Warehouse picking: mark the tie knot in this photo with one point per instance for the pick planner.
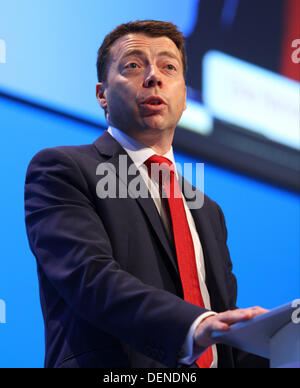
(158, 165)
(158, 159)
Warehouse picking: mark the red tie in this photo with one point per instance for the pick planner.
(162, 169)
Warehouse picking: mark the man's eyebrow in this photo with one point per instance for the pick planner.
(133, 52)
(138, 52)
(168, 54)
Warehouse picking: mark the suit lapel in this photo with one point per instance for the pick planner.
(214, 263)
(108, 146)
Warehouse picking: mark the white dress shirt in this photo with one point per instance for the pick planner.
(139, 153)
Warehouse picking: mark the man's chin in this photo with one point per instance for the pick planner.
(155, 122)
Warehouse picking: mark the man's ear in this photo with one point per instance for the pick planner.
(100, 93)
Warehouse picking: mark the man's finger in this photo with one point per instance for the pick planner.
(235, 316)
(259, 310)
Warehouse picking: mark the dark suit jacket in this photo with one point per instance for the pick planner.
(109, 284)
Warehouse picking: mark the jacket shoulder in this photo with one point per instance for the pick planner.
(63, 152)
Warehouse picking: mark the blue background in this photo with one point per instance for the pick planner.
(51, 55)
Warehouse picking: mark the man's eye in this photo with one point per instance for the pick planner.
(171, 67)
(132, 66)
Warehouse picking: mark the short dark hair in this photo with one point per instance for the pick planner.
(153, 28)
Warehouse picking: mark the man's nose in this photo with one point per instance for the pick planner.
(152, 78)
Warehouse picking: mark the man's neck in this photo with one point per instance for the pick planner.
(160, 142)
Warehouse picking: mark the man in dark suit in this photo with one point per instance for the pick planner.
(117, 267)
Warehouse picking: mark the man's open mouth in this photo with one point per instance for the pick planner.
(154, 101)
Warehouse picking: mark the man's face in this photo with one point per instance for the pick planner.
(145, 88)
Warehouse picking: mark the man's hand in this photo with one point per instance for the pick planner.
(222, 322)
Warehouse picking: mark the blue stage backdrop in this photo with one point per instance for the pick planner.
(48, 53)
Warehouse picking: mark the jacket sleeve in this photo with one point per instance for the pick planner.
(72, 247)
